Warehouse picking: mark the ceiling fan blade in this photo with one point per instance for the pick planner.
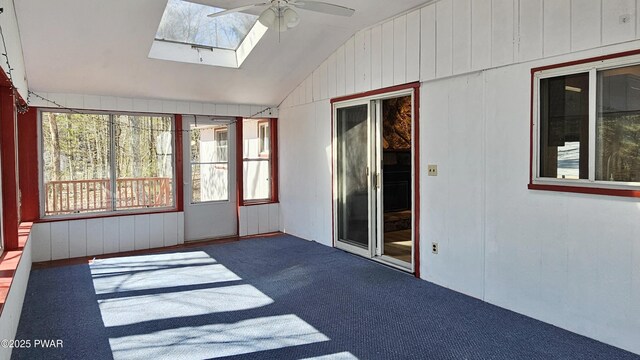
(234, 10)
(323, 7)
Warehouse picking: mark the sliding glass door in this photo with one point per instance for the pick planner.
(373, 156)
(353, 185)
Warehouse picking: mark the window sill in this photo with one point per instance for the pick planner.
(104, 215)
(259, 202)
(9, 262)
(586, 190)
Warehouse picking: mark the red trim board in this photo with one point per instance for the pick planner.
(8, 139)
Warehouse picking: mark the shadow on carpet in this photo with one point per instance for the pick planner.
(273, 298)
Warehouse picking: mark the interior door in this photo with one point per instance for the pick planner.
(210, 204)
(352, 162)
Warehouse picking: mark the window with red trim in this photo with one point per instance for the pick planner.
(105, 163)
(586, 125)
(257, 163)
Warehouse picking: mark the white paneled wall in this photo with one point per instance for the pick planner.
(112, 103)
(537, 253)
(259, 219)
(77, 238)
(454, 37)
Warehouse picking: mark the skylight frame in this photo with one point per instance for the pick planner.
(204, 54)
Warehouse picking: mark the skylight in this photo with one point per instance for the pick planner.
(186, 22)
(186, 34)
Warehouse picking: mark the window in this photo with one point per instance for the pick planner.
(256, 160)
(209, 162)
(187, 22)
(186, 34)
(588, 125)
(96, 162)
(263, 135)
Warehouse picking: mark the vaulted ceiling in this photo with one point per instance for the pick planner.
(101, 47)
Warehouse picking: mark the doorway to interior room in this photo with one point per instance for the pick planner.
(374, 146)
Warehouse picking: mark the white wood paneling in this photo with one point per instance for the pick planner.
(316, 85)
(59, 240)
(618, 21)
(127, 233)
(308, 90)
(331, 76)
(502, 32)
(141, 235)
(41, 242)
(274, 217)
(400, 50)
(557, 27)
(324, 81)
(180, 227)
(387, 54)
(428, 43)
(156, 230)
(112, 103)
(585, 24)
(253, 220)
(340, 72)
(530, 30)
(461, 36)
(95, 234)
(349, 61)
(243, 221)
(444, 40)
(413, 46)
(481, 34)
(376, 57)
(111, 231)
(363, 61)
(170, 229)
(263, 219)
(77, 238)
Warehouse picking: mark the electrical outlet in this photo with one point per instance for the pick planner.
(434, 248)
(432, 170)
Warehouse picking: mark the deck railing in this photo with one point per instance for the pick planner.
(78, 196)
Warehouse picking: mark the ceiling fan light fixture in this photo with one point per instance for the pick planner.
(268, 17)
(291, 18)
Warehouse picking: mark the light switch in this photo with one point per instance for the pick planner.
(432, 170)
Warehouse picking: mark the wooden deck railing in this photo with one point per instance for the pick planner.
(77, 196)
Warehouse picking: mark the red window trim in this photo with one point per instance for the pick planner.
(594, 190)
(416, 191)
(29, 185)
(10, 262)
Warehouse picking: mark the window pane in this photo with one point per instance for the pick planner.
(187, 22)
(618, 125)
(210, 182)
(144, 161)
(256, 160)
(209, 163)
(564, 127)
(76, 155)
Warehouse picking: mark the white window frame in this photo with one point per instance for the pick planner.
(592, 68)
(112, 170)
(227, 124)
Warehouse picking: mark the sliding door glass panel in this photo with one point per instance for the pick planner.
(396, 168)
(352, 131)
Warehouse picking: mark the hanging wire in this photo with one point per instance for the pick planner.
(24, 107)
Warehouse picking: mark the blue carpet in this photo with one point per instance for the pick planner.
(273, 298)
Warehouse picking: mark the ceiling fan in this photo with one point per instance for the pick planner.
(280, 13)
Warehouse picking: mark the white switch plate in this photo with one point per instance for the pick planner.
(432, 170)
